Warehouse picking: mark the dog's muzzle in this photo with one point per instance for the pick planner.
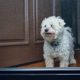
(48, 34)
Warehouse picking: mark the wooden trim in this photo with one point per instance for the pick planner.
(29, 64)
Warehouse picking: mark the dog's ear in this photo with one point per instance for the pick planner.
(61, 21)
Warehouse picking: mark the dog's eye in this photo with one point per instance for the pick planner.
(51, 25)
(45, 26)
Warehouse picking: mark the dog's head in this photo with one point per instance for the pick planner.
(51, 27)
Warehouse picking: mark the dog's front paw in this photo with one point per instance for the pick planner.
(64, 64)
(49, 62)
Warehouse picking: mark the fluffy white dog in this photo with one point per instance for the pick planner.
(58, 42)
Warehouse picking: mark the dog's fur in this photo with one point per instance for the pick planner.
(58, 42)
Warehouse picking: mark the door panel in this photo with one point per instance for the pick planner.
(13, 30)
(11, 19)
(20, 20)
(41, 10)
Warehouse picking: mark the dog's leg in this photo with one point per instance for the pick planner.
(64, 63)
(72, 59)
(49, 62)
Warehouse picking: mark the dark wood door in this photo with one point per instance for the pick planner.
(20, 40)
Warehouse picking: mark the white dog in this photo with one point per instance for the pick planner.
(58, 42)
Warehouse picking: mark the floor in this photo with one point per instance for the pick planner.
(42, 64)
(35, 64)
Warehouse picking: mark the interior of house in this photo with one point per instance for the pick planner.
(21, 44)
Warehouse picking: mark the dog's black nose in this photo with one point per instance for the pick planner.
(46, 30)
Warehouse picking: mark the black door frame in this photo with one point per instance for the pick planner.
(69, 14)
